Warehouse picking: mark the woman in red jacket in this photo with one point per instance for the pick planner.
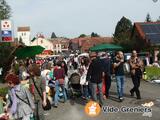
(59, 75)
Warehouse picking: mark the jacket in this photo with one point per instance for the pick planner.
(23, 108)
(95, 71)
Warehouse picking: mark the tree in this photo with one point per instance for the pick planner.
(123, 32)
(158, 20)
(53, 35)
(82, 36)
(21, 41)
(5, 48)
(5, 10)
(148, 18)
(94, 34)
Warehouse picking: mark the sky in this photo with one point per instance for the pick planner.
(70, 18)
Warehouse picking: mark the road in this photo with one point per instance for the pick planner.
(74, 110)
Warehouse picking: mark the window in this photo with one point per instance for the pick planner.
(63, 46)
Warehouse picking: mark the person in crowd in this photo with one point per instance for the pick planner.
(23, 74)
(136, 66)
(107, 68)
(83, 71)
(37, 88)
(20, 103)
(119, 73)
(94, 76)
(64, 66)
(59, 75)
(45, 74)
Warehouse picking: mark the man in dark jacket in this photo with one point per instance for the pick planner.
(94, 76)
(106, 61)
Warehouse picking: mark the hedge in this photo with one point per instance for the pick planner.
(152, 73)
(3, 91)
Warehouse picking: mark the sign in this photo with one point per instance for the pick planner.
(6, 32)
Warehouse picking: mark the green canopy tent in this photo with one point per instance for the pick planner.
(28, 51)
(105, 47)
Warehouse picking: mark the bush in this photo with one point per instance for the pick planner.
(152, 73)
(3, 91)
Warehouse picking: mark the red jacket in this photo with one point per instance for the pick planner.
(59, 73)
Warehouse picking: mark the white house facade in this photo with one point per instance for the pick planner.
(24, 35)
(48, 45)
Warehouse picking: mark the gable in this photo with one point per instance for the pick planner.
(149, 31)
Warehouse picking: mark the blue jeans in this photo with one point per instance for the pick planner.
(120, 85)
(85, 91)
(94, 87)
(56, 97)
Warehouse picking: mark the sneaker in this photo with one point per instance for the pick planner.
(121, 99)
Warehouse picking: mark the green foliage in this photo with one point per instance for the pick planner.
(5, 56)
(34, 38)
(94, 34)
(148, 18)
(158, 20)
(152, 73)
(3, 91)
(53, 35)
(21, 41)
(5, 10)
(5, 48)
(123, 32)
(82, 36)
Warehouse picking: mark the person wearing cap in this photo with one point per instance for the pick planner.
(94, 76)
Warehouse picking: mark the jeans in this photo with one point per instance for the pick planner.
(85, 91)
(120, 85)
(56, 97)
(94, 87)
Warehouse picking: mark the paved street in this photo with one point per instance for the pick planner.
(74, 110)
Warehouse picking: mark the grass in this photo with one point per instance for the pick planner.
(152, 73)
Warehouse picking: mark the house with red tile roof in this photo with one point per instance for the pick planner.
(85, 43)
(146, 34)
(60, 44)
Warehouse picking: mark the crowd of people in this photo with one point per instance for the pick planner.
(31, 83)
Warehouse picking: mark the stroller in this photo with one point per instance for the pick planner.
(74, 87)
